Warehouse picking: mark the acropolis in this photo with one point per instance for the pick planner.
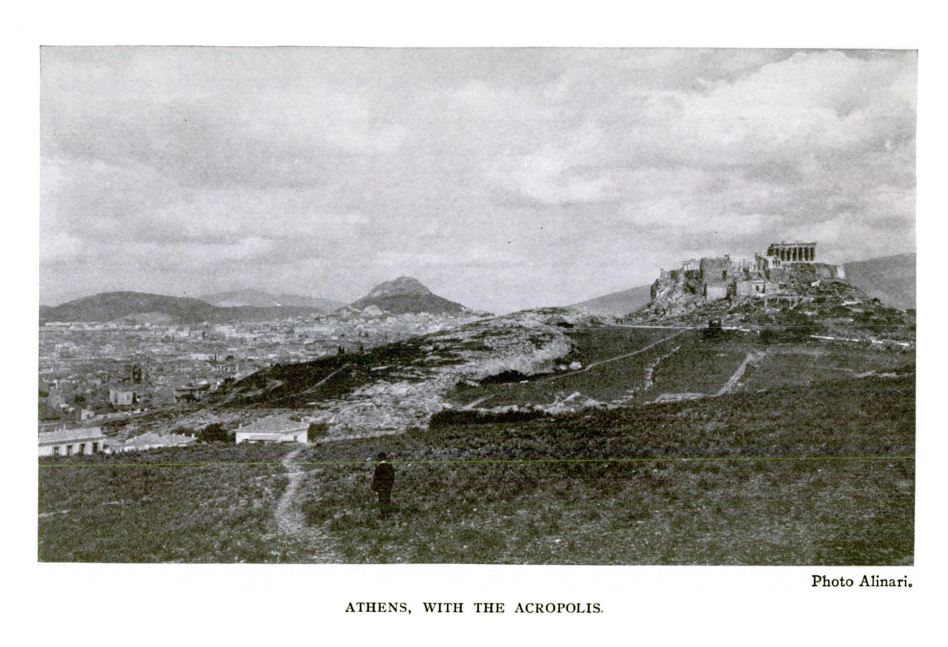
(723, 277)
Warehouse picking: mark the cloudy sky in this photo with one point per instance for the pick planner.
(500, 178)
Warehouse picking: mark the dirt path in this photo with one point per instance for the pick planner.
(732, 382)
(289, 517)
(315, 386)
(650, 369)
(468, 407)
(614, 359)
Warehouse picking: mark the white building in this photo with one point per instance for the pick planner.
(120, 397)
(275, 429)
(152, 440)
(66, 442)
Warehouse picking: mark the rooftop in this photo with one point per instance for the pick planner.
(70, 435)
(273, 424)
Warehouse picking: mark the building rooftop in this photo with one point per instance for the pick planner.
(70, 435)
(273, 424)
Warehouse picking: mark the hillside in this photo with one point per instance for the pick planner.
(617, 303)
(784, 436)
(157, 308)
(822, 474)
(406, 295)
(259, 299)
(890, 279)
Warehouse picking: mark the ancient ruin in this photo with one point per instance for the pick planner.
(792, 252)
(779, 272)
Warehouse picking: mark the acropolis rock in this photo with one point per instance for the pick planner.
(785, 270)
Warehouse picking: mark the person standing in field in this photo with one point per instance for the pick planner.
(382, 483)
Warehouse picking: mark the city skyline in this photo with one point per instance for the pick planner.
(502, 179)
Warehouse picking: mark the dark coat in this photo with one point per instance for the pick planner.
(384, 478)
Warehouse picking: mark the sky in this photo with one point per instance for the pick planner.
(502, 179)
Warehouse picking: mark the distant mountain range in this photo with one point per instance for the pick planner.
(617, 303)
(406, 295)
(258, 299)
(159, 309)
(401, 296)
(890, 279)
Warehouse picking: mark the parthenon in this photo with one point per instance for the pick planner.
(793, 252)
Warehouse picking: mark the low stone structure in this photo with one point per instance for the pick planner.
(275, 429)
(716, 290)
(756, 287)
(152, 440)
(69, 442)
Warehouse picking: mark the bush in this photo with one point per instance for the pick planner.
(450, 417)
(505, 377)
(317, 430)
(214, 433)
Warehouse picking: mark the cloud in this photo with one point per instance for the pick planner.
(540, 173)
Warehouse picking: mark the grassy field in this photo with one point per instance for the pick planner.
(212, 503)
(608, 381)
(796, 364)
(688, 362)
(817, 474)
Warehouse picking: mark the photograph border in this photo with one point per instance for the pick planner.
(688, 601)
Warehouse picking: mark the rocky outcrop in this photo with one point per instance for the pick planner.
(405, 295)
(717, 279)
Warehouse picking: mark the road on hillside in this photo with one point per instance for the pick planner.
(615, 359)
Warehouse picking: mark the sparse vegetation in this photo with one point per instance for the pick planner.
(316, 430)
(211, 503)
(215, 433)
(818, 474)
(749, 479)
(784, 449)
(451, 417)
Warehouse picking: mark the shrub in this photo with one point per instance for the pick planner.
(317, 430)
(450, 417)
(214, 433)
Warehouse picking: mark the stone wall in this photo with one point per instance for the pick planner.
(715, 269)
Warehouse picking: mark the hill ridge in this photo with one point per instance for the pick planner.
(263, 299)
(405, 295)
(158, 308)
